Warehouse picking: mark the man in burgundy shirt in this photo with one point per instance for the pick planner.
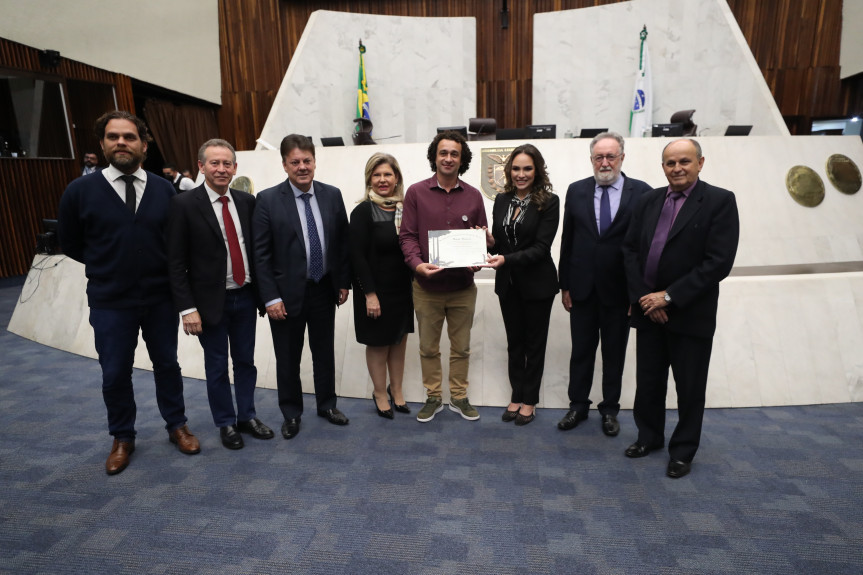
(442, 202)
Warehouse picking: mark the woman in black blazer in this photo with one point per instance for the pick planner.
(524, 222)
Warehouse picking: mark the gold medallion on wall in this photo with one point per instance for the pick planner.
(493, 178)
(805, 186)
(244, 184)
(843, 173)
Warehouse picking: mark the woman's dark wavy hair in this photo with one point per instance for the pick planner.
(455, 137)
(542, 189)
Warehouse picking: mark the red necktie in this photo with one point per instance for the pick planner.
(233, 244)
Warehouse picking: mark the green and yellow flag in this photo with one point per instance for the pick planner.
(362, 89)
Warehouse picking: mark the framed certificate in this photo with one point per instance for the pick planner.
(457, 248)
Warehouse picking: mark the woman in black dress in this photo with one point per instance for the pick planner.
(524, 222)
(383, 305)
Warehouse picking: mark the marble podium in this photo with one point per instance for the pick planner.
(786, 335)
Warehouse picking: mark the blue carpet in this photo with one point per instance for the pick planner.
(774, 490)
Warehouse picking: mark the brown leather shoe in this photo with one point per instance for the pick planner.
(185, 441)
(118, 460)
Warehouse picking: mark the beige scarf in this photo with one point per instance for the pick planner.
(389, 203)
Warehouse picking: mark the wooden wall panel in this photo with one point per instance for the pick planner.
(795, 42)
(30, 188)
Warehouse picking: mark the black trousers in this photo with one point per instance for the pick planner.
(319, 315)
(689, 359)
(589, 323)
(526, 323)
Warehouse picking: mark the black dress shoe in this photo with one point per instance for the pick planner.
(334, 416)
(610, 426)
(231, 438)
(640, 449)
(291, 427)
(256, 427)
(677, 469)
(509, 415)
(570, 420)
(403, 408)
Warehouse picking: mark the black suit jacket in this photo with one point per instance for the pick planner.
(588, 261)
(280, 246)
(698, 254)
(197, 254)
(529, 266)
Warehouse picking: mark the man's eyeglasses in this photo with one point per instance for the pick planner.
(610, 157)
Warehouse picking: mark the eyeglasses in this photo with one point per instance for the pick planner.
(610, 157)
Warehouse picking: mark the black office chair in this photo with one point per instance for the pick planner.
(482, 129)
(363, 136)
(685, 117)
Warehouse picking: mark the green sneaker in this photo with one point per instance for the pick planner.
(464, 408)
(433, 406)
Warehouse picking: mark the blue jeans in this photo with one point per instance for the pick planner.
(237, 328)
(116, 332)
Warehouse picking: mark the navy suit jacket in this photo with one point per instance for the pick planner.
(280, 246)
(529, 266)
(197, 254)
(698, 254)
(588, 261)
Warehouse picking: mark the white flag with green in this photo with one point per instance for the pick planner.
(641, 114)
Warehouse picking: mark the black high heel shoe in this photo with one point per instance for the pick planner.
(385, 413)
(403, 408)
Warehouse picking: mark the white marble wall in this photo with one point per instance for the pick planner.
(585, 62)
(171, 44)
(781, 340)
(421, 74)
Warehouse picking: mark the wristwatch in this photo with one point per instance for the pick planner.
(667, 298)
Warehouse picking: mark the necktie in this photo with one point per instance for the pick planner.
(131, 198)
(660, 236)
(237, 267)
(604, 210)
(316, 253)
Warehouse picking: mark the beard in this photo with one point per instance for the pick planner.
(605, 177)
(128, 161)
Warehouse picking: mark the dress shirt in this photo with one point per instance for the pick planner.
(683, 197)
(87, 171)
(319, 222)
(113, 175)
(429, 207)
(615, 189)
(185, 183)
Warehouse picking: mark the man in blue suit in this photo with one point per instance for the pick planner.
(593, 281)
(300, 236)
(113, 222)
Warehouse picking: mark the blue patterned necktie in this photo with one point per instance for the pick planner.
(316, 253)
(604, 211)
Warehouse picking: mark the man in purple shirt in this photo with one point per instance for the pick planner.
(680, 244)
(442, 202)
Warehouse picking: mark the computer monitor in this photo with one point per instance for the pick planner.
(511, 134)
(334, 141)
(541, 132)
(738, 130)
(667, 130)
(460, 129)
(591, 132)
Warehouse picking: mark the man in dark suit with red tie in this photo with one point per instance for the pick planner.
(212, 276)
(593, 281)
(301, 250)
(681, 243)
